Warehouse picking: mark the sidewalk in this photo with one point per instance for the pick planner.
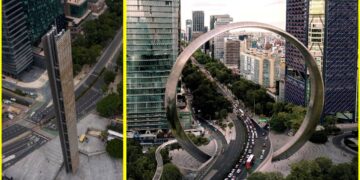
(37, 83)
(229, 134)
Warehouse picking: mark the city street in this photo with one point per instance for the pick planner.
(228, 161)
(88, 92)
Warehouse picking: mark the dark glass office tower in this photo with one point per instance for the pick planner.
(152, 48)
(17, 55)
(41, 15)
(198, 19)
(329, 30)
(57, 48)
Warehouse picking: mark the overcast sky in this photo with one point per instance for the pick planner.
(266, 11)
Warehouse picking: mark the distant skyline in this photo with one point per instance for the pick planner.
(270, 11)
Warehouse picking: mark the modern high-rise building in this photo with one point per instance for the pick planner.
(260, 67)
(16, 47)
(57, 49)
(213, 19)
(41, 15)
(232, 53)
(188, 30)
(329, 30)
(24, 23)
(76, 8)
(198, 19)
(153, 29)
(219, 40)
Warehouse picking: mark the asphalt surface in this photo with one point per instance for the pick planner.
(338, 142)
(230, 158)
(12, 132)
(21, 148)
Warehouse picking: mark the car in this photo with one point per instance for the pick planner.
(264, 144)
(261, 157)
(263, 151)
(230, 175)
(252, 142)
(263, 133)
(226, 179)
(247, 156)
(238, 171)
(237, 165)
(251, 147)
(232, 171)
(266, 138)
(250, 151)
(233, 178)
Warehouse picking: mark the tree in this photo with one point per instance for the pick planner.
(109, 106)
(115, 148)
(165, 156)
(325, 164)
(319, 137)
(109, 77)
(343, 171)
(266, 176)
(171, 172)
(231, 125)
(305, 170)
(277, 122)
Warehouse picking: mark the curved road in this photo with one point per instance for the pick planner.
(338, 141)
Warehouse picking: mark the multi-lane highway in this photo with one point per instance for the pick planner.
(234, 157)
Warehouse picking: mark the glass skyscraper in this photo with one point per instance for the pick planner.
(153, 31)
(41, 15)
(16, 49)
(329, 29)
(198, 19)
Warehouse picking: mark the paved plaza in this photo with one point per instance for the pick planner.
(47, 162)
(184, 160)
(309, 151)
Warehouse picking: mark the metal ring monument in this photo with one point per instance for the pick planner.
(314, 109)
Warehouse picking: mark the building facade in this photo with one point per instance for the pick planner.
(16, 47)
(77, 8)
(260, 68)
(198, 19)
(57, 49)
(41, 15)
(188, 30)
(232, 53)
(153, 30)
(219, 40)
(329, 29)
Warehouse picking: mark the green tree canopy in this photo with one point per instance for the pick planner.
(171, 172)
(115, 148)
(266, 176)
(109, 106)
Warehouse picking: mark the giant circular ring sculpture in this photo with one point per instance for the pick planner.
(314, 109)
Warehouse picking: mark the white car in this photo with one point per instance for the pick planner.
(232, 171)
(238, 171)
(261, 157)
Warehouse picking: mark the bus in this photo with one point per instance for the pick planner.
(250, 161)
